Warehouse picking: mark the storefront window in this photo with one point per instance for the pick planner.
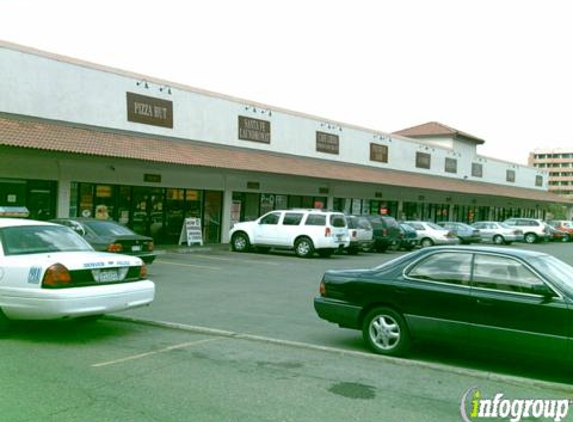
(123, 204)
(174, 216)
(104, 202)
(193, 200)
(86, 200)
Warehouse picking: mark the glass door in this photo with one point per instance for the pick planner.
(147, 215)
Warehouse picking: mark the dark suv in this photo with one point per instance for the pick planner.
(386, 231)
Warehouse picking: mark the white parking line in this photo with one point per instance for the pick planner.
(156, 352)
(236, 260)
(180, 264)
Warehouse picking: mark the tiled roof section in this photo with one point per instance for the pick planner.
(436, 129)
(50, 136)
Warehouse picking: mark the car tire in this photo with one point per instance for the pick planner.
(498, 240)
(240, 242)
(530, 238)
(327, 253)
(304, 247)
(426, 243)
(385, 331)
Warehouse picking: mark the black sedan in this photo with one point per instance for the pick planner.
(503, 299)
(109, 236)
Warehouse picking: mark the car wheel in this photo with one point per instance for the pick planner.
(426, 243)
(530, 238)
(240, 242)
(386, 332)
(326, 253)
(498, 239)
(304, 247)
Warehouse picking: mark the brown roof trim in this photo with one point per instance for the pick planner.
(41, 135)
(430, 129)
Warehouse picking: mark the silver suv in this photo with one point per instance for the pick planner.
(305, 231)
(533, 229)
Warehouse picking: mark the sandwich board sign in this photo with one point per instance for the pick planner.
(191, 232)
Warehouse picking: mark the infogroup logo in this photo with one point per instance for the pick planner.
(475, 406)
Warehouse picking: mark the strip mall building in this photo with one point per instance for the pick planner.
(79, 139)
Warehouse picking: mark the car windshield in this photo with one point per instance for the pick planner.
(435, 226)
(23, 240)
(505, 226)
(108, 228)
(555, 270)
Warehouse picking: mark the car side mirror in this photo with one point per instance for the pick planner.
(543, 290)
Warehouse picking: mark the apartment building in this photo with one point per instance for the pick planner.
(558, 163)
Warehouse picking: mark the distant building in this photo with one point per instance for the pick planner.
(559, 164)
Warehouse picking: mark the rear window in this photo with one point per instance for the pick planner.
(390, 222)
(337, 220)
(316, 220)
(25, 240)
(108, 228)
(352, 222)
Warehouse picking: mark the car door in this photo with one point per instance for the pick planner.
(267, 229)
(508, 313)
(487, 230)
(434, 296)
(289, 228)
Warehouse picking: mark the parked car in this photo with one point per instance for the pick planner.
(109, 236)
(386, 231)
(466, 233)
(409, 237)
(533, 229)
(430, 234)
(498, 233)
(518, 301)
(564, 225)
(49, 272)
(558, 235)
(360, 234)
(305, 230)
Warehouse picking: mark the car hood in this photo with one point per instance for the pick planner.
(78, 260)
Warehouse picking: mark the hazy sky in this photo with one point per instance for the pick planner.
(500, 70)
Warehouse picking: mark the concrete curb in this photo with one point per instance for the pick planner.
(191, 249)
(488, 376)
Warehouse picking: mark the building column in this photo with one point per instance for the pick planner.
(226, 220)
(63, 204)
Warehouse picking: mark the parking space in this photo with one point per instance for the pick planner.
(117, 371)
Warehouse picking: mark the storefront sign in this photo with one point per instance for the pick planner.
(254, 130)
(327, 142)
(191, 232)
(149, 110)
(152, 178)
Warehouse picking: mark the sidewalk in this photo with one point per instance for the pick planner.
(184, 249)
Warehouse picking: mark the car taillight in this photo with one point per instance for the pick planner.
(322, 289)
(354, 233)
(327, 232)
(143, 271)
(150, 246)
(114, 247)
(56, 276)
(384, 232)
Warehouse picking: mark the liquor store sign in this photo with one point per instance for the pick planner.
(149, 110)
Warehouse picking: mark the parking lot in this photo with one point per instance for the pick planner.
(235, 337)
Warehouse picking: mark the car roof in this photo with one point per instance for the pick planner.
(521, 253)
(19, 222)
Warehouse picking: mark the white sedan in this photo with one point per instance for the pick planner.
(430, 234)
(48, 271)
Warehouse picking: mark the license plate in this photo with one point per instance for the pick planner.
(136, 248)
(108, 276)
(339, 236)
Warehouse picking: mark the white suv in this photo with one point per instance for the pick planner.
(305, 231)
(533, 229)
